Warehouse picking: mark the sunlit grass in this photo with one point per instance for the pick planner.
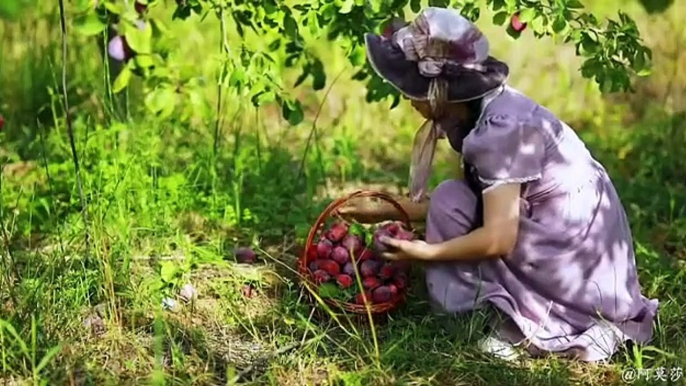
(165, 212)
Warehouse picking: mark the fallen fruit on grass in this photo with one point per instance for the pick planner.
(119, 49)
(517, 24)
(321, 276)
(370, 283)
(369, 268)
(245, 255)
(188, 293)
(324, 248)
(329, 266)
(95, 324)
(170, 304)
(382, 294)
(248, 291)
(340, 255)
(337, 232)
(386, 272)
(344, 281)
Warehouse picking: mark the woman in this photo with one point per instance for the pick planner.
(536, 230)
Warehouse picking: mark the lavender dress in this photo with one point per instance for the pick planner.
(570, 285)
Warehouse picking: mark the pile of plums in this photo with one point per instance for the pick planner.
(341, 257)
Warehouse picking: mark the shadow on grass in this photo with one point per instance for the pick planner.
(447, 354)
(246, 193)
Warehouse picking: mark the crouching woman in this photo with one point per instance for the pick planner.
(536, 230)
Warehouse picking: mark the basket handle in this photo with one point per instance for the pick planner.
(339, 202)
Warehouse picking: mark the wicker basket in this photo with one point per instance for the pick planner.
(309, 254)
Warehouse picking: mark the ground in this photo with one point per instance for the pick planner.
(165, 210)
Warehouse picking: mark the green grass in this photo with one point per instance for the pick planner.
(165, 211)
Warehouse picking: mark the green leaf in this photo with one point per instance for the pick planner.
(313, 24)
(591, 67)
(89, 25)
(318, 75)
(606, 85)
(500, 18)
(368, 238)
(139, 39)
(307, 69)
(330, 290)
(588, 46)
(497, 4)
(357, 230)
(290, 26)
(13, 331)
(122, 79)
(161, 100)
(656, 6)
(347, 6)
(9, 9)
(113, 8)
(538, 24)
(263, 97)
(160, 26)
(559, 25)
(237, 78)
(144, 61)
(357, 55)
(574, 4)
(642, 63)
(47, 358)
(167, 271)
(415, 5)
(526, 15)
(292, 112)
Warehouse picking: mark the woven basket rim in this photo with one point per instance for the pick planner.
(303, 260)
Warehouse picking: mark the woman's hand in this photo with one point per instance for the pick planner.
(408, 249)
(366, 210)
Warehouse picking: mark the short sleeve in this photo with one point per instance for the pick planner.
(505, 149)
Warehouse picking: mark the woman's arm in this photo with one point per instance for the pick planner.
(497, 237)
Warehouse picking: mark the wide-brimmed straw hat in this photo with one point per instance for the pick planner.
(439, 43)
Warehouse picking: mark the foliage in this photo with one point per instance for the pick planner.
(656, 6)
(168, 206)
(9, 9)
(613, 50)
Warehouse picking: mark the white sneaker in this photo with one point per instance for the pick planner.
(499, 348)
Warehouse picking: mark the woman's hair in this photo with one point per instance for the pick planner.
(474, 112)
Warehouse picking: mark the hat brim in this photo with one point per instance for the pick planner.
(464, 84)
